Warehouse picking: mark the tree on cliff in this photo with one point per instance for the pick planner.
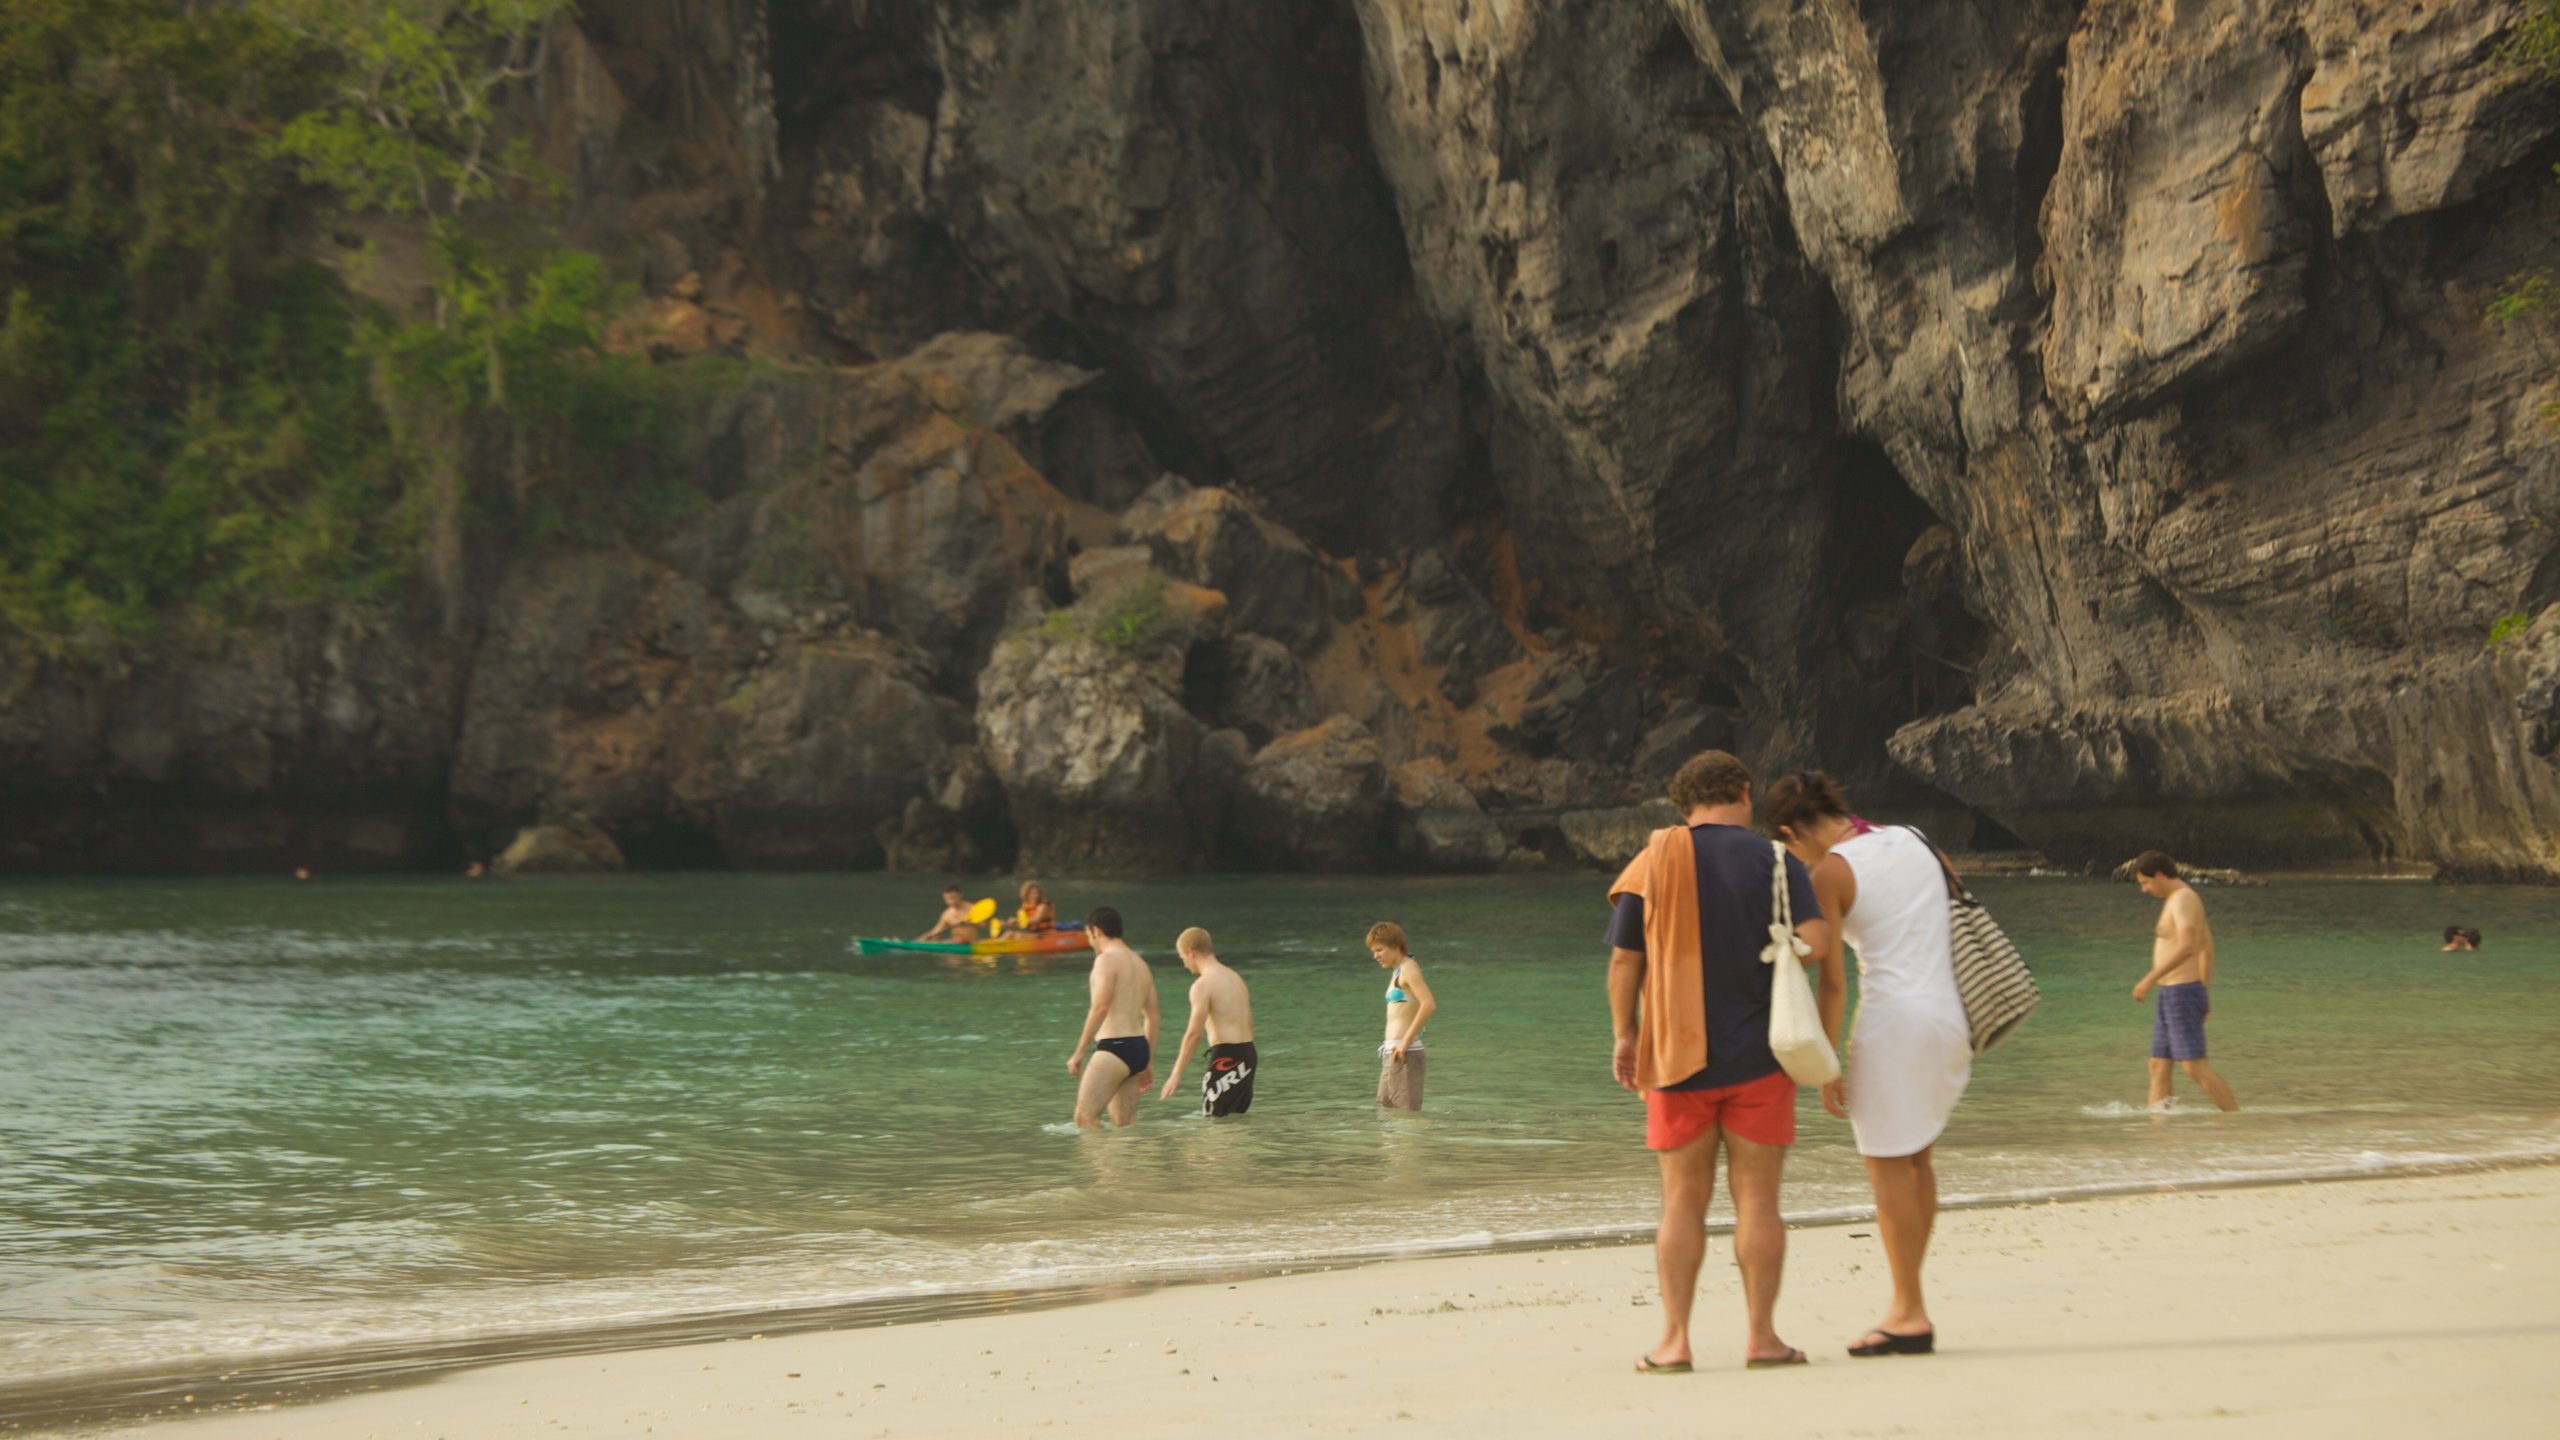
(2532, 47)
(195, 411)
(178, 415)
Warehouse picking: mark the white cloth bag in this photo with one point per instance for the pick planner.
(1795, 1022)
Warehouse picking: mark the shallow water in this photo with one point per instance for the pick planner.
(245, 1118)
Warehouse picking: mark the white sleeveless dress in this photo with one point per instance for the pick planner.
(1910, 1052)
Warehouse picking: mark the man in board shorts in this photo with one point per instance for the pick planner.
(1223, 1011)
(1690, 916)
(2181, 967)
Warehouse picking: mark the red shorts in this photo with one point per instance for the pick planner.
(1762, 1111)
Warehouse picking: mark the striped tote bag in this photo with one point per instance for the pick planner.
(1998, 990)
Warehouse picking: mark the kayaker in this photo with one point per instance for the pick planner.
(955, 923)
(1037, 916)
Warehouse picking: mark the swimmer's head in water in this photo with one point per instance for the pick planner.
(1388, 935)
(1104, 921)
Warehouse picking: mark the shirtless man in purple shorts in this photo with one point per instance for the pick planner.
(2181, 966)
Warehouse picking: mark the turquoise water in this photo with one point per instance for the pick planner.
(246, 1118)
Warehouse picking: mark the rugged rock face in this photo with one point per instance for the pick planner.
(1104, 777)
(2230, 455)
(312, 743)
(2071, 422)
(1437, 824)
(1186, 187)
(1315, 800)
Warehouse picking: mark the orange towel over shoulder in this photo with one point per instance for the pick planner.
(1671, 1030)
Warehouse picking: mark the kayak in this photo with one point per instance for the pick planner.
(1051, 942)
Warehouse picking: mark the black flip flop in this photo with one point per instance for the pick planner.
(1924, 1343)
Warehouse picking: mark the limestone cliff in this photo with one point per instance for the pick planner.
(1366, 432)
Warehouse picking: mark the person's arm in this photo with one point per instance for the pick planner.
(1419, 992)
(1153, 1022)
(1626, 984)
(940, 928)
(1190, 1039)
(1835, 888)
(1093, 1016)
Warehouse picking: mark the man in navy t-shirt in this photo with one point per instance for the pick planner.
(1739, 1100)
(1733, 926)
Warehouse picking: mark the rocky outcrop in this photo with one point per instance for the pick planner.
(1607, 839)
(817, 751)
(1275, 583)
(314, 742)
(1435, 823)
(571, 846)
(1080, 715)
(959, 825)
(1251, 684)
(1315, 800)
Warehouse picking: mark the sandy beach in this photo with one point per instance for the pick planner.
(2392, 1307)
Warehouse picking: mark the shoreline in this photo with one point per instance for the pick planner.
(90, 1402)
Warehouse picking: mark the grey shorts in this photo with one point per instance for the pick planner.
(1400, 1086)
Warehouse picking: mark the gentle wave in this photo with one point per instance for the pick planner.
(170, 1320)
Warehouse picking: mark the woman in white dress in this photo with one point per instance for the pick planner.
(1910, 1051)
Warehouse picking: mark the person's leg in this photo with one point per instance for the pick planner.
(1906, 1204)
(1680, 1241)
(2203, 1073)
(1103, 1076)
(1759, 1237)
(2160, 1073)
(1124, 1101)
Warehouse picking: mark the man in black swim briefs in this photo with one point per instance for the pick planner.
(1119, 1028)
(1223, 1011)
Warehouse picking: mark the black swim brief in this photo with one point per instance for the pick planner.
(1129, 1050)
(1226, 1087)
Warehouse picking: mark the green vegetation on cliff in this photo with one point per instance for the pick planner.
(195, 411)
(182, 414)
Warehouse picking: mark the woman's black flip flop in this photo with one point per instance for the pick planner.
(1924, 1343)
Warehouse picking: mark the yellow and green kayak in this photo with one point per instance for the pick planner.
(1049, 942)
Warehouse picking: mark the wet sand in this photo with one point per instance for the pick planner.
(2382, 1307)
